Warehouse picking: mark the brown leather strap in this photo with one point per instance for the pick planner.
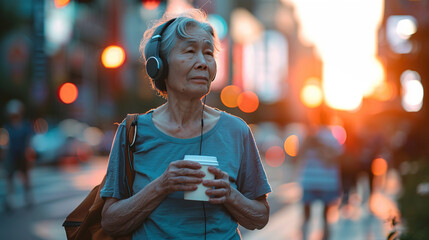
(131, 130)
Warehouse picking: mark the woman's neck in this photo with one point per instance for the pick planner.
(182, 112)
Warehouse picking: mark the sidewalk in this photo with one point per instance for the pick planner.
(50, 184)
(57, 191)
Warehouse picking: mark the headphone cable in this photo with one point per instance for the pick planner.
(202, 126)
(201, 144)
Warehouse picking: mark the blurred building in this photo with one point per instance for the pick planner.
(50, 43)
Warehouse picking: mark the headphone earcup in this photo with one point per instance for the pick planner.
(154, 67)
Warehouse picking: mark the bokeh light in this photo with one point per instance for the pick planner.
(385, 91)
(113, 56)
(379, 166)
(248, 102)
(383, 207)
(291, 145)
(229, 96)
(406, 27)
(311, 95)
(412, 91)
(68, 93)
(275, 156)
(61, 3)
(219, 25)
(339, 133)
(412, 99)
(151, 4)
(93, 136)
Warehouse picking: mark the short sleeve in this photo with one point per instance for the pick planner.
(252, 181)
(115, 185)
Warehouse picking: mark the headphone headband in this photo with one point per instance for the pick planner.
(156, 66)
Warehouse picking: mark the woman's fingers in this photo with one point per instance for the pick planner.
(186, 164)
(219, 188)
(182, 175)
(188, 172)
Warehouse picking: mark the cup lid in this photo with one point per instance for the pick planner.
(203, 160)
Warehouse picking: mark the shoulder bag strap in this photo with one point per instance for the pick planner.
(131, 130)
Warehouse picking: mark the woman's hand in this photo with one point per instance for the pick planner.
(181, 175)
(222, 188)
(251, 214)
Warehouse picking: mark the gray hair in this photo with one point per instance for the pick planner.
(179, 29)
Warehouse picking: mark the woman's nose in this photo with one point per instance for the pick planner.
(201, 62)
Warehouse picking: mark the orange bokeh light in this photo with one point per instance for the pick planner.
(113, 56)
(275, 156)
(248, 102)
(229, 96)
(383, 207)
(386, 91)
(291, 145)
(311, 96)
(68, 93)
(61, 3)
(379, 166)
(151, 4)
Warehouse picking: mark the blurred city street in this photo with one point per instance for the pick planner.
(58, 190)
(332, 91)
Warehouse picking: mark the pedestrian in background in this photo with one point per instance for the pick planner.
(319, 173)
(16, 160)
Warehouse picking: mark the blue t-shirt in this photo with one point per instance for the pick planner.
(230, 140)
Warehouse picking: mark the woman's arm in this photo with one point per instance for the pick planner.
(251, 214)
(121, 217)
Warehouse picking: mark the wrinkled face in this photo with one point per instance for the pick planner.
(192, 66)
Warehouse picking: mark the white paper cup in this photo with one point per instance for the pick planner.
(200, 193)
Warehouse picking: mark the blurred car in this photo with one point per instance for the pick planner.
(62, 144)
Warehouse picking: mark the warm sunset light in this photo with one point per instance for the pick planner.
(351, 70)
(151, 4)
(61, 3)
(386, 91)
(229, 96)
(68, 93)
(113, 56)
(291, 145)
(245, 27)
(275, 156)
(379, 166)
(248, 102)
(311, 95)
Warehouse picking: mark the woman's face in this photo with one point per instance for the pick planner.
(192, 66)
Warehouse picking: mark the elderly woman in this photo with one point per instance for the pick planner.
(180, 59)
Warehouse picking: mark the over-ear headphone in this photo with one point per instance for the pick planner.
(156, 66)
